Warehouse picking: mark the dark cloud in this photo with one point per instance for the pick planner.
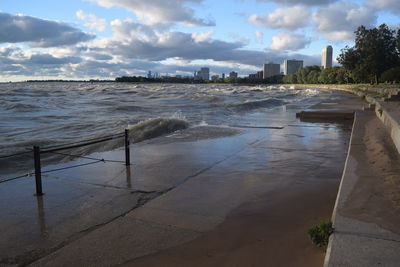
(392, 6)
(39, 32)
(47, 59)
(98, 56)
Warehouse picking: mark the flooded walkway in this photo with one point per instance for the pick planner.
(227, 191)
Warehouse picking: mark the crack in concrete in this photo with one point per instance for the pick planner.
(366, 235)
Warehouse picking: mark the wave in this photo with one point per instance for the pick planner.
(152, 128)
(128, 108)
(311, 92)
(200, 97)
(20, 107)
(141, 131)
(264, 103)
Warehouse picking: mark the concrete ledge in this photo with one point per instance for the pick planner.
(389, 116)
(361, 237)
(325, 115)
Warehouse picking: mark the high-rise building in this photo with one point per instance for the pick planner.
(327, 57)
(203, 73)
(215, 77)
(149, 75)
(292, 66)
(271, 69)
(233, 75)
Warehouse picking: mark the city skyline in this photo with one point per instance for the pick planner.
(290, 66)
(83, 39)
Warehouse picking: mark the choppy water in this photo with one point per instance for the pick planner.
(55, 113)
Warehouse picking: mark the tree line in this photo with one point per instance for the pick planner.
(375, 58)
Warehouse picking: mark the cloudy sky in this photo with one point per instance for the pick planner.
(81, 39)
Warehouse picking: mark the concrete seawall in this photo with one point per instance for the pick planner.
(388, 113)
(365, 217)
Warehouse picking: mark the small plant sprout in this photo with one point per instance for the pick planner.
(319, 234)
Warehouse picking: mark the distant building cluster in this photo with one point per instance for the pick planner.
(151, 75)
(291, 66)
(257, 76)
(270, 69)
(233, 75)
(203, 74)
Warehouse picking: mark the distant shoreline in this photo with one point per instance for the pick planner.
(381, 90)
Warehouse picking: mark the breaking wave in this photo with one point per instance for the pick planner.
(256, 104)
(141, 131)
(152, 128)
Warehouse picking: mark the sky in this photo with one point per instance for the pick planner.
(104, 39)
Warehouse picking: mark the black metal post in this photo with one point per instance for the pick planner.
(38, 172)
(127, 152)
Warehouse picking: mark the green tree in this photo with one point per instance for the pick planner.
(375, 51)
(341, 75)
(391, 75)
(290, 78)
(313, 76)
(398, 40)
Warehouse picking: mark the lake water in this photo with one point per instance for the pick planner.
(48, 114)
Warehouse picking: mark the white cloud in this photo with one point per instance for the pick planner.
(288, 18)
(259, 35)
(337, 22)
(92, 21)
(298, 2)
(202, 36)
(392, 6)
(39, 32)
(289, 41)
(160, 12)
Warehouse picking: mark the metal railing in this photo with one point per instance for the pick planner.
(37, 152)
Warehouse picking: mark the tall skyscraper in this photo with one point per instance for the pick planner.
(292, 66)
(327, 57)
(271, 69)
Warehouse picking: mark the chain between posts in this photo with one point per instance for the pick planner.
(37, 152)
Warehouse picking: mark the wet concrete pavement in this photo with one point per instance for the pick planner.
(178, 187)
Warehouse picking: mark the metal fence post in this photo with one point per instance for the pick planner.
(38, 172)
(127, 152)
